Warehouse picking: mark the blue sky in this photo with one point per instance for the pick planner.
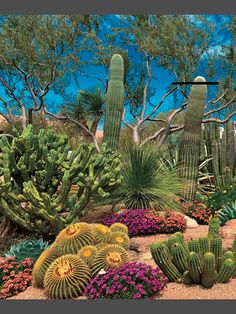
(163, 77)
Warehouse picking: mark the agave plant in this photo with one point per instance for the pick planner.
(228, 212)
(27, 249)
(148, 181)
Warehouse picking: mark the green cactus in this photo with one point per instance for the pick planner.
(172, 240)
(214, 227)
(66, 277)
(162, 258)
(191, 139)
(180, 237)
(179, 257)
(216, 249)
(38, 172)
(42, 264)
(119, 227)
(226, 255)
(120, 238)
(234, 246)
(187, 279)
(208, 276)
(194, 246)
(204, 245)
(110, 257)
(226, 271)
(27, 249)
(194, 267)
(114, 102)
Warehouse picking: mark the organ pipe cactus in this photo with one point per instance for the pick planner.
(191, 138)
(114, 102)
(38, 172)
(199, 264)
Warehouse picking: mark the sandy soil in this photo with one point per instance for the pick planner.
(173, 291)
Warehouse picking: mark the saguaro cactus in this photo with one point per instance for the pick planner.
(114, 102)
(191, 139)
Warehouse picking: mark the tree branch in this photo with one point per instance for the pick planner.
(220, 108)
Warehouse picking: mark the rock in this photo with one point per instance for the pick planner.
(190, 222)
(134, 246)
(228, 232)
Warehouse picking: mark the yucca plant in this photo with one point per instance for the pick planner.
(147, 181)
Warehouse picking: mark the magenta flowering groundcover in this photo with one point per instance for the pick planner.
(142, 222)
(130, 281)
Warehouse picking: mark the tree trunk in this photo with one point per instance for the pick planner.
(24, 118)
(7, 229)
(136, 135)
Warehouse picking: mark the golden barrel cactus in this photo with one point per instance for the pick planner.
(109, 257)
(101, 233)
(88, 254)
(42, 264)
(67, 277)
(121, 238)
(119, 227)
(71, 239)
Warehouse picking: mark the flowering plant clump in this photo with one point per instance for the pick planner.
(197, 210)
(143, 222)
(14, 276)
(130, 281)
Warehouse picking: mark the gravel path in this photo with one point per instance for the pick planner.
(173, 291)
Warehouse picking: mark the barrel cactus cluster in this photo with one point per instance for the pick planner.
(201, 261)
(79, 253)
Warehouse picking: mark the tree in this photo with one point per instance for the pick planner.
(39, 54)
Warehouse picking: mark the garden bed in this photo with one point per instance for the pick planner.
(141, 253)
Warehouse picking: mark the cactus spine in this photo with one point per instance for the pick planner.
(191, 139)
(179, 257)
(208, 276)
(114, 102)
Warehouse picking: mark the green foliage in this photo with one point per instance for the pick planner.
(191, 139)
(38, 171)
(114, 102)
(27, 249)
(147, 181)
(217, 200)
(228, 212)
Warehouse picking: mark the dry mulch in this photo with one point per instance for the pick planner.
(173, 291)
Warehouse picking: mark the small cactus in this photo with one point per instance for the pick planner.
(214, 227)
(208, 276)
(120, 238)
(88, 254)
(101, 233)
(162, 258)
(119, 227)
(187, 279)
(226, 271)
(216, 249)
(204, 245)
(109, 257)
(194, 267)
(179, 257)
(194, 246)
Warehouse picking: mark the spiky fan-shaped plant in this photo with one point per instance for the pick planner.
(119, 227)
(109, 257)
(101, 233)
(42, 264)
(67, 277)
(88, 254)
(71, 239)
(121, 239)
(228, 212)
(147, 181)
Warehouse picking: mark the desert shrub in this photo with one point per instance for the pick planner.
(143, 222)
(130, 281)
(14, 276)
(148, 182)
(197, 210)
(220, 198)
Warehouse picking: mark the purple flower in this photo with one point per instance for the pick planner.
(148, 284)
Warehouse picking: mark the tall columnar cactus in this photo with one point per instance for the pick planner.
(214, 227)
(114, 102)
(38, 172)
(191, 138)
(226, 271)
(216, 249)
(224, 158)
(194, 267)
